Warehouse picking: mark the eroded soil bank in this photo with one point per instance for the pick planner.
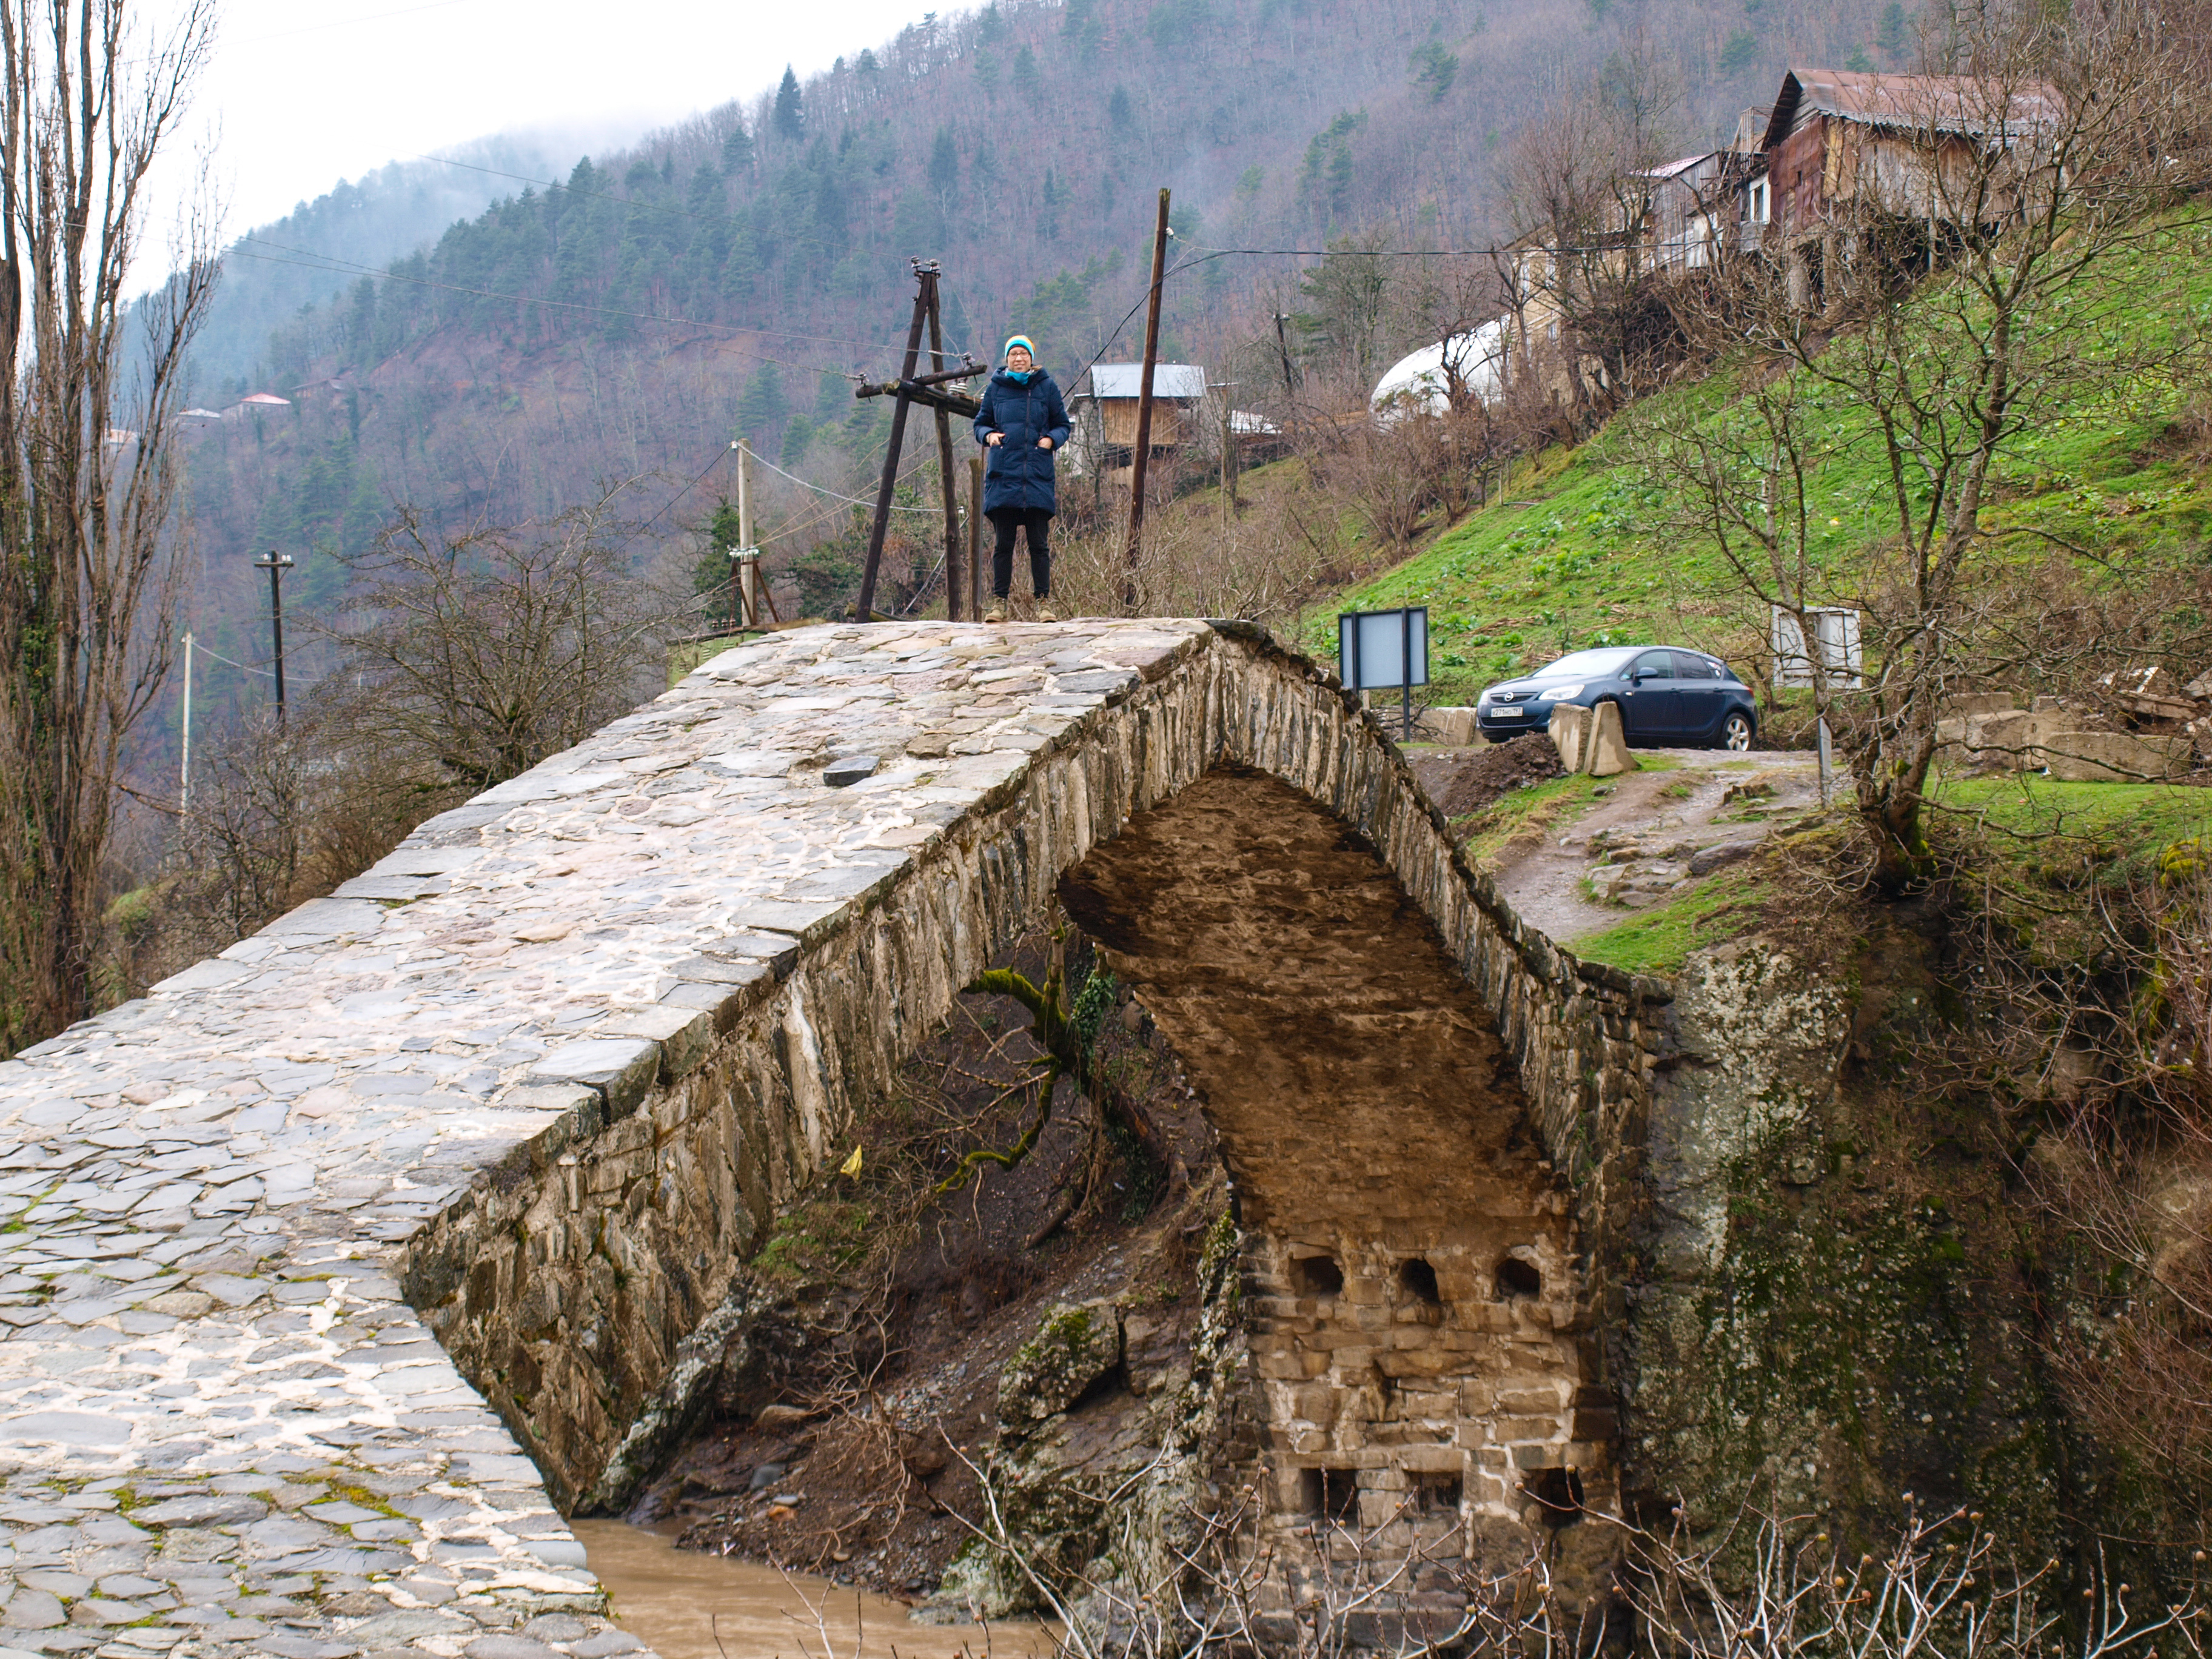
(858, 1392)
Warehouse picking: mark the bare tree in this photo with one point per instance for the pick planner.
(1174, 1581)
(1947, 296)
(477, 656)
(282, 811)
(1776, 1587)
(90, 388)
(1579, 181)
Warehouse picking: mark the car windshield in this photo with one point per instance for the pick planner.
(1586, 665)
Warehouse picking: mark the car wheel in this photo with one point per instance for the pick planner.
(1736, 732)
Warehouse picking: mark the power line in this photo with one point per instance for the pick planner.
(822, 490)
(686, 490)
(244, 668)
(1392, 253)
(790, 529)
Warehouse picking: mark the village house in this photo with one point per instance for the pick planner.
(1104, 407)
(1847, 172)
(1864, 171)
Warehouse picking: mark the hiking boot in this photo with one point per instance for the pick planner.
(997, 613)
(1046, 613)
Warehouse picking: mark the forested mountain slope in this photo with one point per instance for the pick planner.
(304, 259)
(726, 275)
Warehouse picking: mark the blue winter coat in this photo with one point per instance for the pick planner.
(1020, 474)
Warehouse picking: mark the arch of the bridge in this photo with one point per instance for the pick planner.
(1257, 859)
(1418, 1326)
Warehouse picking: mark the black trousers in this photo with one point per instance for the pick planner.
(1005, 522)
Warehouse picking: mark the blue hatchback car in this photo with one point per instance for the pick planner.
(1668, 697)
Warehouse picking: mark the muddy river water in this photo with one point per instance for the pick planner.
(678, 1601)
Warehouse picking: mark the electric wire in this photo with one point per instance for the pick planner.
(686, 490)
(199, 650)
(819, 489)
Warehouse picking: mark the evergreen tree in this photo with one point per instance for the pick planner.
(1026, 78)
(1889, 34)
(1435, 69)
(1117, 108)
(762, 408)
(790, 112)
(737, 151)
(944, 169)
(1049, 202)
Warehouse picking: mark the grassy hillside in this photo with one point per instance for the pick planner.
(1583, 548)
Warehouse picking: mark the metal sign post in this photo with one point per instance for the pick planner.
(1385, 650)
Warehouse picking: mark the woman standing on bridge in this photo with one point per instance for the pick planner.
(1022, 422)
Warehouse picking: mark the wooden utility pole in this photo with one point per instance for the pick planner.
(276, 564)
(925, 300)
(952, 583)
(1145, 404)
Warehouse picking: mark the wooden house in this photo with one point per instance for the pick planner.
(1889, 167)
(1104, 408)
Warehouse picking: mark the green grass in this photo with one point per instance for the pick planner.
(2113, 831)
(1581, 550)
(1548, 806)
(1659, 940)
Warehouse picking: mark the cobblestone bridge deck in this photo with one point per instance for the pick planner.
(340, 1264)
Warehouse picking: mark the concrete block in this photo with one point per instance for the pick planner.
(2113, 756)
(1445, 725)
(1608, 749)
(1968, 703)
(1571, 725)
(2010, 733)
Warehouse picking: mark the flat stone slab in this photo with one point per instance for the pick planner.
(221, 1429)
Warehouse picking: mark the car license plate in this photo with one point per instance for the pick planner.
(1507, 713)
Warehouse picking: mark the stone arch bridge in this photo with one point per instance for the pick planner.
(349, 1256)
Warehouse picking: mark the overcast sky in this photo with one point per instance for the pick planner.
(300, 96)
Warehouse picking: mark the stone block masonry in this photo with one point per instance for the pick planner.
(342, 1262)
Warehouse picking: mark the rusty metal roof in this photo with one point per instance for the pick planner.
(1941, 103)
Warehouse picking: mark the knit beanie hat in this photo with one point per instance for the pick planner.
(1024, 343)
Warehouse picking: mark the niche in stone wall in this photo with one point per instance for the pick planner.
(1558, 1493)
(1332, 1494)
(1517, 1280)
(1317, 1275)
(1418, 1279)
(1437, 1493)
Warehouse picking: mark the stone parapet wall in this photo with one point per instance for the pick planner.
(542, 1075)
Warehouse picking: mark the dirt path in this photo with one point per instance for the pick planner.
(1659, 831)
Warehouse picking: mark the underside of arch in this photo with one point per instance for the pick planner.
(1415, 1311)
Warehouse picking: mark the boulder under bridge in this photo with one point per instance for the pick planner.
(342, 1265)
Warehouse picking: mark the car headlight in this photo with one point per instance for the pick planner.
(1553, 693)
